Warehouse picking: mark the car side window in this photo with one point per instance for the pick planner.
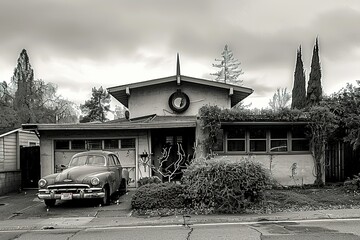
(111, 161)
(116, 160)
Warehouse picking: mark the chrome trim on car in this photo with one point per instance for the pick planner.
(75, 185)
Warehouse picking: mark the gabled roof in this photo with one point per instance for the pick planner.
(122, 92)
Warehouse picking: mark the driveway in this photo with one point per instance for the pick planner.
(26, 205)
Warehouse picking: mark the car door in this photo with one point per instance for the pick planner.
(118, 170)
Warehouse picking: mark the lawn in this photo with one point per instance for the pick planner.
(304, 199)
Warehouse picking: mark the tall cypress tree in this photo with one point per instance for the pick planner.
(314, 90)
(298, 92)
(23, 78)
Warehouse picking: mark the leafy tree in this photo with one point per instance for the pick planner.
(322, 126)
(280, 99)
(346, 105)
(23, 78)
(97, 107)
(298, 92)
(229, 68)
(8, 116)
(32, 100)
(314, 90)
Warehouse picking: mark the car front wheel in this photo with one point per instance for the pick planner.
(50, 202)
(106, 200)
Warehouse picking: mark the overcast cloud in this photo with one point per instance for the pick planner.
(81, 44)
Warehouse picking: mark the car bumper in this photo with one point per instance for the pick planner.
(80, 195)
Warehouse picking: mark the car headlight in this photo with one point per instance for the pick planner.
(42, 182)
(95, 181)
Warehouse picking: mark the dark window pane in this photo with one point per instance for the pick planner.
(62, 144)
(236, 145)
(128, 143)
(94, 144)
(257, 145)
(78, 144)
(300, 145)
(219, 141)
(278, 133)
(278, 146)
(111, 143)
(298, 132)
(236, 132)
(256, 133)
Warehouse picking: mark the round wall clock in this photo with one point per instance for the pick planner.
(179, 102)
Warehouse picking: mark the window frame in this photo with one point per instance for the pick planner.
(289, 140)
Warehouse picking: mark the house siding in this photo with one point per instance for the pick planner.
(10, 152)
(26, 137)
(10, 175)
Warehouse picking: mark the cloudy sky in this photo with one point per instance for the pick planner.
(90, 43)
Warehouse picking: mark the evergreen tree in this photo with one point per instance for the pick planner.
(23, 79)
(298, 92)
(314, 90)
(229, 68)
(97, 107)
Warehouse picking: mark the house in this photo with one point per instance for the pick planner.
(162, 130)
(11, 143)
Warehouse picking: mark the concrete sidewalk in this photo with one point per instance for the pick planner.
(128, 221)
(119, 215)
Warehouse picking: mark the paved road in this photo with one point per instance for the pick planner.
(304, 230)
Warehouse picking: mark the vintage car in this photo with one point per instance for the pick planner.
(89, 175)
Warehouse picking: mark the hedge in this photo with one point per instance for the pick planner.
(155, 196)
(226, 186)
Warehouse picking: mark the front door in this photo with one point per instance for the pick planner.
(173, 150)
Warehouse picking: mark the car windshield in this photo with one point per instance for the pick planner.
(94, 160)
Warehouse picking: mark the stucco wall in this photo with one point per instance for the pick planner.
(155, 99)
(286, 169)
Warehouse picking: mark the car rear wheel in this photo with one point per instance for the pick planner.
(106, 200)
(50, 202)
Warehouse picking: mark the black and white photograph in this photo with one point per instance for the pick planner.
(164, 119)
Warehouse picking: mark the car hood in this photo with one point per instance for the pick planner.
(78, 174)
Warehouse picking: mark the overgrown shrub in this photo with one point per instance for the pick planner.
(353, 184)
(148, 180)
(163, 195)
(228, 186)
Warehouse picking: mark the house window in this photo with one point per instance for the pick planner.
(62, 144)
(111, 144)
(78, 144)
(32, 144)
(273, 139)
(236, 140)
(257, 139)
(299, 141)
(128, 143)
(94, 144)
(278, 140)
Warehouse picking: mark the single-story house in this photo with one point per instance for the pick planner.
(162, 130)
(11, 143)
